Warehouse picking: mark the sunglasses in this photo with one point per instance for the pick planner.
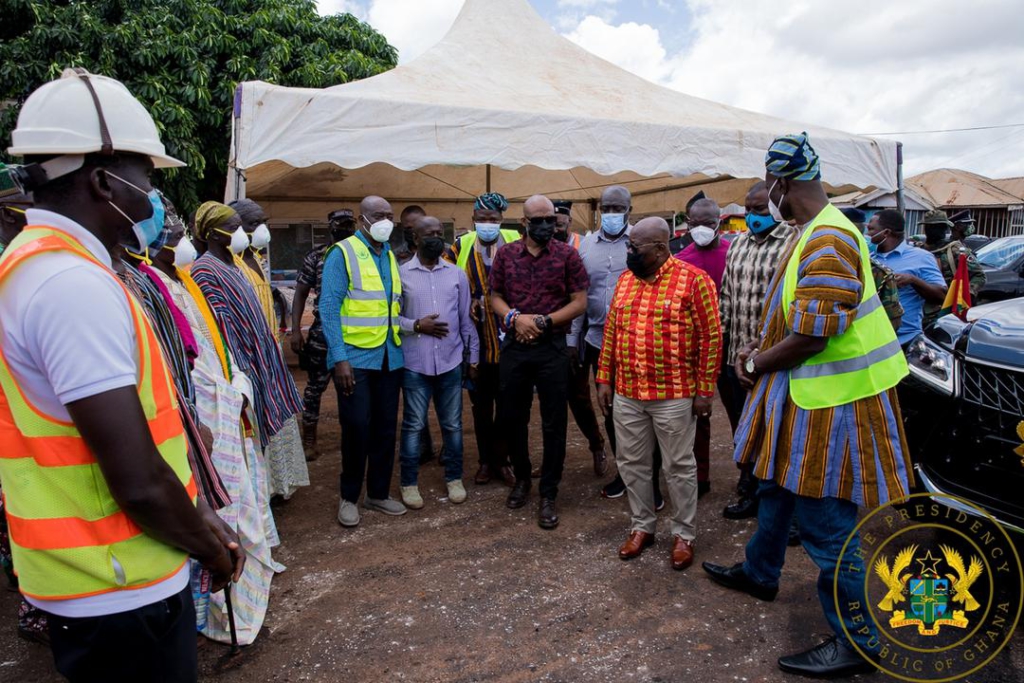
(540, 221)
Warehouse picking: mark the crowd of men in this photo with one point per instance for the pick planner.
(160, 431)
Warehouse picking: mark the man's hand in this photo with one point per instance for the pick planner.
(604, 398)
(432, 327)
(343, 374)
(905, 280)
(474, 373)
(574, 359)
(228, 564)
(702, 406)
(746, 381)
(297, 340)
(526, 330)
(476, 311)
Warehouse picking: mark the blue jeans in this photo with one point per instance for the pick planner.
(825, 524)
(446, 390)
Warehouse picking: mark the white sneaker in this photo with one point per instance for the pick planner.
(456, 491)
(388, 506)
(348, 514)
(411, 497)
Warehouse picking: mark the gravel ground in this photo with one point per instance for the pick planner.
(477, 592)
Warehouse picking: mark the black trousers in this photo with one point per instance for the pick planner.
(369, 422)
(581, 405)
(152, 643)
(543, 365)
(591, 359)
(733, 397)
(484, 398)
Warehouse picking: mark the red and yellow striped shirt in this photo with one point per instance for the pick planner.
(663, 340)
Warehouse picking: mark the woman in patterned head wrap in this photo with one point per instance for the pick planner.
(253, 345)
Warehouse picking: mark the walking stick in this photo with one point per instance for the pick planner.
(231, 620)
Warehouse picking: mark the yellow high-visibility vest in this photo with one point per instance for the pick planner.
(69, 537)
(366, 312)
(863, 361)
(467, 241)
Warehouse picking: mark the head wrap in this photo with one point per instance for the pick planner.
(211, 216)
(563, 206)
(791, 156)
(492, 201)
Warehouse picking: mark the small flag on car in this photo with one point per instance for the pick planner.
(958, 297)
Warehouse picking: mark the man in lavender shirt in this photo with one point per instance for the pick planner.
(439, 336)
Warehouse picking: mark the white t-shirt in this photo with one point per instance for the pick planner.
(66, 331)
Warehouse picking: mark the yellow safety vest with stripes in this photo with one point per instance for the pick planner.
(863, 361)
(366, 312)
(69, 537)
(467, 241)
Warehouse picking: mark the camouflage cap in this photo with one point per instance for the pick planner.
(935, 216)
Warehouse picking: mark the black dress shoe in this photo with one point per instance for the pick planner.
(703, 488)
(548, 515)
(614, 489)
(517, 496)
(744, 508)
(831, 659)
(734, 577)
(794, 535)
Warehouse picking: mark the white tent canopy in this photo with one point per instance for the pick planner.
(505, 103)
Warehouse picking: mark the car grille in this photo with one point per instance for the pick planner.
(994, 388)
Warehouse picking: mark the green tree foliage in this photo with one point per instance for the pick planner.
(183, 59)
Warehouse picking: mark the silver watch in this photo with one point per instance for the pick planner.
(749, 366)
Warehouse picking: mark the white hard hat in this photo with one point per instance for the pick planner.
(80, 113)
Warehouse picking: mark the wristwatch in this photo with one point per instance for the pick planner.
(749, 366)
(542, 322)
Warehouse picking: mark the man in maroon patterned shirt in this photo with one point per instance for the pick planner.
(537, 287)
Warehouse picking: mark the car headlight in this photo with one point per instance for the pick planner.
(931, 364)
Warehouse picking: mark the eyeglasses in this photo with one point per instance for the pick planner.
(15, 209)
(636, 248)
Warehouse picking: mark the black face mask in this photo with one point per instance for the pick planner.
(935, 234)
(562, 235)
(342, 233)
(635, 263)
(541, 233)
(431, 248)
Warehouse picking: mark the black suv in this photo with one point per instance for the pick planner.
(964, 407)
(1003, 261)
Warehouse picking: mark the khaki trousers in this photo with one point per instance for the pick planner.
(671, 422)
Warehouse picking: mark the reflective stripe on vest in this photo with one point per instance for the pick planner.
(366, 312)
(467, 241)
(863, 361)
(69, 538)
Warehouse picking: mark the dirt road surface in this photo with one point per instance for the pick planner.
(477, 592)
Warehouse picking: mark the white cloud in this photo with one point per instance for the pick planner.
(634, 47)
(413, 26)
(341, 6)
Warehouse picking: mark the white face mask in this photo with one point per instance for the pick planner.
(773, 208)
(703, 235)
(185, 253)
(260, 237)
(239, 241)
(381, 230)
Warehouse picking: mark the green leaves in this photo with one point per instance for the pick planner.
(183, 59)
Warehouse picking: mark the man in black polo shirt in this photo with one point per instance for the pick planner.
(538, 285)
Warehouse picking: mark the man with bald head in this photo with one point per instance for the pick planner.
(538, 286)
(359, 307)
(659, 361)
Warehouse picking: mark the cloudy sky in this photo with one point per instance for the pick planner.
(869, 66)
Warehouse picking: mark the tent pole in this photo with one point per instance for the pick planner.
(900, 203)
(488, 166)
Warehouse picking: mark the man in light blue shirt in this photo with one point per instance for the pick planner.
(368, 380)
(918, 276)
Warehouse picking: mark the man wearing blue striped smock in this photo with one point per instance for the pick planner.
(822, 424)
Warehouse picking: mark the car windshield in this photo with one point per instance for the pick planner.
(1001, 253)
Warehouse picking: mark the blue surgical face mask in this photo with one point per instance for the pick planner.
(758, 224)
(487, 232)
(872, 248)
(613, 223)
(149, 229)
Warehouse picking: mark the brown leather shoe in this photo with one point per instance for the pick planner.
(483, 475)
(635, 544)
(682, 553)
(600, 461)
(508, 476)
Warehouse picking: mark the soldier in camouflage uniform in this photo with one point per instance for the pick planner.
(947, 252)
(312, 350)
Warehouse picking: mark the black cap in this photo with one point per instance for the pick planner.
(962, 217)
(341, 214)
(855, 215)
(563, 206)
